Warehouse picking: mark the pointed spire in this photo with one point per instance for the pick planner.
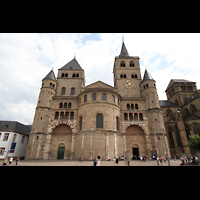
(50, 75)
(124, 51)
(147, 76)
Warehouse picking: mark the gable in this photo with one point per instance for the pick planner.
(99, 84)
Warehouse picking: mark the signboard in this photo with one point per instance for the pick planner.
(12, 148)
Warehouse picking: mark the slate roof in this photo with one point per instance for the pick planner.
(166, 103)
(72, 65)
(171, 120)
(191, 117)
(50, 75)
(172, 81)
(147, 76)
(15, 126)
(124, 52)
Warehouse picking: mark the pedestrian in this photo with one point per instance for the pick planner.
(117, 161)
(128, 162)
(141, 158)
(98, 161)
(10, 160)
(114, 163)
(158, 160)
(81, 158)
(5, 161)
(95, 161)
(17, 160)
(161, 160)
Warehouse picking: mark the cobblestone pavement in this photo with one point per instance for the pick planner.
(87, 163)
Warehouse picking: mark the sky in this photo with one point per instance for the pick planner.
(26, 58)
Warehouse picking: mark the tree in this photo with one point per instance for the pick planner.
(194, 142)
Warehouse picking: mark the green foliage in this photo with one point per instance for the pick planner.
(194, 142)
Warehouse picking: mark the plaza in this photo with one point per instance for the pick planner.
(88, 163)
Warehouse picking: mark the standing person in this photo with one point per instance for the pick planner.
(161, 160)
(95, 161)
(17, 160)
(158, 160)
(114, 163)
(10, 160)
(128, 162)
(117, 161)
(141, 158)
(98, 162)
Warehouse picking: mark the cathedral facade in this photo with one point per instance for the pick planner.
(73, 120)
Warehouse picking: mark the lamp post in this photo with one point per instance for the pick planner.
(166, 149)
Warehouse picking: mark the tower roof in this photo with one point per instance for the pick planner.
(147, 76)
(50, 75)
(72, 65)
(124, 52)
(172, 81)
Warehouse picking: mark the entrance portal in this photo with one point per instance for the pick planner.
(61, 151)
(135, 153)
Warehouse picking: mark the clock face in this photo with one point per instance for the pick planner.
(129, 84)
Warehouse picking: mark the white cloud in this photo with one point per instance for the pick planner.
(25, 59)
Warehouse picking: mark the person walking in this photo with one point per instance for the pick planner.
(10, 160)
(158, 160)
(95, 161)
(128, 162)
(98, 162)
(114, 162)
(17, 160)
(117, 161)
(5, 161)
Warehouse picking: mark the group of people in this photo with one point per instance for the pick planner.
(10, 160)
(161, 159)
(194, 160)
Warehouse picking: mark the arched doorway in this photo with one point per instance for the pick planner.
(135, 142)
(61, 142)
(61, 151)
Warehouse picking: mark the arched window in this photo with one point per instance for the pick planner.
(67, 115)
(187, 131)
(81, 119)
(113, 98)
(62, 75)
(193, 108)
(69, 105)
(117, 123)
(65, 105)
(94, 97)
(128, 106)
(125, 116)
(171, 137)
(130, 116)
(56, 115)
(71, 115)
(122, 64)
(62, 115)
(103, 97)
(66, 75)
(135, 75)
(132, 106)
(99, 121)
(136, 106)
(61, 105)
(63, 91)
(85, 98)
(147, 85)
(73, 91)
(169, 113)
(131, 64)
(135, 117)
(141, 117)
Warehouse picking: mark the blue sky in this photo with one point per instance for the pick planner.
(25, 59)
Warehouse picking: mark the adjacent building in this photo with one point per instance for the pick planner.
(13, 139)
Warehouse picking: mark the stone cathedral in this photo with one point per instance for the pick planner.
(73, 120)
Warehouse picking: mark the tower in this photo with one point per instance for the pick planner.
(127, 76)
(71, 79)
(38, 133)
(154, 113)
